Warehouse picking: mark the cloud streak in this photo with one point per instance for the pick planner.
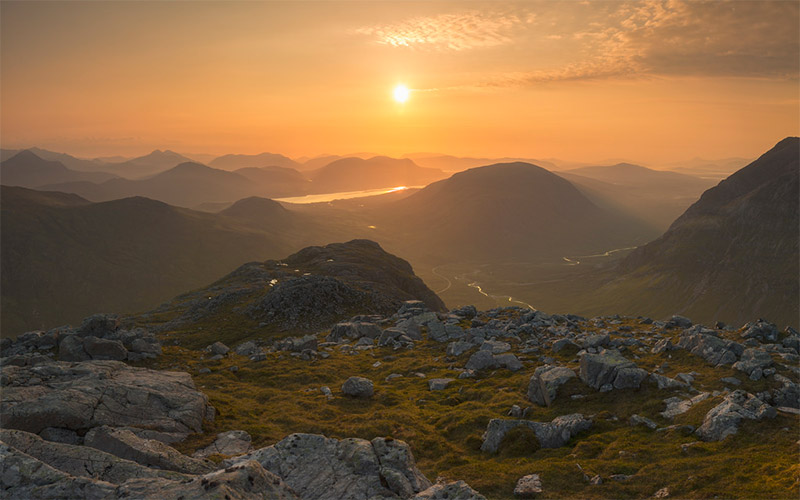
(449, 32)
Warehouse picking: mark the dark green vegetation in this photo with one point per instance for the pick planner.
(273, 398)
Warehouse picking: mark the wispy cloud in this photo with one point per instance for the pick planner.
(450, 32)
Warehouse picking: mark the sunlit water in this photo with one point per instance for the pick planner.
(346, 195)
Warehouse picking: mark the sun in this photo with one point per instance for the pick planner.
(401, 93)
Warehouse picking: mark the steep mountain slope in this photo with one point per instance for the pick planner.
(69, 161)
(64, 258)
(731, 256)
(311, 289)
(189, 184)
(354, 174)
(655, 197)
(507, 210)
(26, 169)
(234, 161)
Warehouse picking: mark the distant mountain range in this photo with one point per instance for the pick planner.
(355, 174)
(733, 255)
(26, 169)
(236, 161)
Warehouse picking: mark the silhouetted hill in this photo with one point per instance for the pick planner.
(311, 289)
(450, 163)
(64, 258)
(655, 197)
(69, 161)
(277, 181)
(354, 174)
(26, 169)
(153, 163)
(188, 184)
(234, 161)
(732, 256)
(508, 210)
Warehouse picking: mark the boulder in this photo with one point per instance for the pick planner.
(71, 349)
(321, 468)
(544, 383)
(717, 351)
(453, 490)
(610, 367)
(639, 420)
(552, 434)
(508, 361)
(457, 348)
(481, 360)
(761, 330)
(246, 348)
(723, 420)
(229, 443)
(79, 396)
(98, 325)
(495, 346)
(596, 340)
(98, 348)
(788, 395)
(353, 330)
(561, 344)
(218, 349)
(148, 452)
(677, 321)
(663, 345)
(667, 382)
(528, 486)
(677, 406)
(358, 387)
(298, 344)
(439, 384)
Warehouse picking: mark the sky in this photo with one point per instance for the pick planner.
(583, 81)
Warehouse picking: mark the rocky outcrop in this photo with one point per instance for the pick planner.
(610, 370)
(528, 486)
(552, 434)
(229, 443)
(453, 490)
(723, 420)
(715, 350)
(80, 396)
(148, 452)
(320, 468)
(753, 361)
(544, 383)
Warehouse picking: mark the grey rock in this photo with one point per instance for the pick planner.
(454, 490)
(717, 351)
(723, 420)
(298, 344)
(761, 330)
(552, 434)
(439, 384)
(353, 330)
(481, 360)
(666, 382)
(79, 396)
(561, 344)
(81, 461)
(410, 328)
(753, 359)
(71, 349)
(437, 331)
(218, 348)
(495, 346)
(148, 452)
(528, 486)
(99, 325)
(677, 406)
(596, 340)
(104, 349)
(663, 345)
(59, 435)
(610, 367)
(393, 376)
(320, 468)
(731, 380)
(358, 387)
(639, 420)
(677, 321)
(788, 395)
(246, 348)
(545, 382)
(508, 361)
(455, 349)
(227, 443)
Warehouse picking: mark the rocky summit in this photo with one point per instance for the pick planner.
(414, 403)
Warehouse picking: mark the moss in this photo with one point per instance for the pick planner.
(519, 442)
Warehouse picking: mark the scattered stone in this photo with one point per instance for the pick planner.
(495, 346)
(248, 348)
(552, 434)
(731, 380)
(663, 345)
(439, 384)
(596, 480)
(717, 351)
(544, 383)
(753, 360)
(393, 376)
(218, 348)
(662, 493)
(561, 344)
(666, 382)
(454, 490)
(358, 387)
(481, 360)
(677, 406)
(677, 321)
(528, 486)
(508, 361)
(761, 330)
(455, 349)
(639, 420)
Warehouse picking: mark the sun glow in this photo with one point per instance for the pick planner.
(401, 93)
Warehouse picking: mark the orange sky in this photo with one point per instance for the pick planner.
(647, 81)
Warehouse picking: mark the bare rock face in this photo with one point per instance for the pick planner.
(229, 443)
(23, 476)
(82, 461)
(723, 420)
(80, 396)
(552, 434)
(320, 468)
(148, 452)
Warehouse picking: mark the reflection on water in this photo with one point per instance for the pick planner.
(346, 195)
